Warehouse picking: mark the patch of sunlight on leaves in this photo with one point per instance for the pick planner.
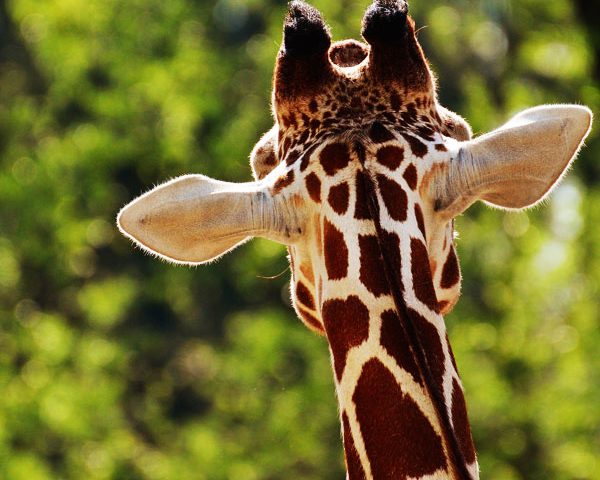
(567, 221)
(489, 41)
(96, 352)
(516, 224)
(10, 271)
(53, 338)
(26, 466)
(556, 58)
(105, 302)
(576, 460)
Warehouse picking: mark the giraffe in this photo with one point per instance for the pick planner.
(361, 178)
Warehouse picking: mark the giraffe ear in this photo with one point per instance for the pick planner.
(517, 165)
(263, 158)
(194, 219)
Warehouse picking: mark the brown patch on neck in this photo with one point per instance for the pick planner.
(370, 266)
(336, 252)
(334, 157)
(400, 441)
(451, 270)
(421, 274)
(347, 326)
(394, 198)
(353, 464)
(461, 423)
(283, 182)
(338, 198)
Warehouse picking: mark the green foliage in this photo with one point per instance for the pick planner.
(116, 366)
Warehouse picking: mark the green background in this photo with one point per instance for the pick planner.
(114, 365)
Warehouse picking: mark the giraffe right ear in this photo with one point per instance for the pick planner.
(517, 165)
(194, 219)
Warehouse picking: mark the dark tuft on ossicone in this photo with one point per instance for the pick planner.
(385, 21)
(305, 33)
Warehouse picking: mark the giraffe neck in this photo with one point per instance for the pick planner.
(401, 401)
(412, 330)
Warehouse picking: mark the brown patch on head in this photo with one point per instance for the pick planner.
(371, 266)
(420, 220)
(421, 274)
(379, 134)
(306, 157)
(336, 252)
(383, 411)
(292, 157)
(451, 270)
(334, 157)
(418, 148)
(338, 198)
(394, 198)
(432, 346)
(397, 344)
(410, 114)
(313, 185)
(283, 182)
(390, 156)
(347, 326)
(353, 465)
(410, 175)
(361, 209)
(440, 147)
(304, 296)
(461, 423)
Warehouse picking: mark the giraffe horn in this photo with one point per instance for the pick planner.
(385, 22)
(396, 56)
(304, 32)
(302, 64)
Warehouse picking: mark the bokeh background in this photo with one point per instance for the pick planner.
(116, 366)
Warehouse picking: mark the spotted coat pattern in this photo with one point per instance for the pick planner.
(326, 144)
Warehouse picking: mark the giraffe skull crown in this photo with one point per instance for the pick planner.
(361, 177)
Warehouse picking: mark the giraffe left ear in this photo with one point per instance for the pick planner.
(517, 165)
(195, 219)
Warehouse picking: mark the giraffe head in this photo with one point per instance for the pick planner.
(361, 175)
(342, 110)
(381, 97)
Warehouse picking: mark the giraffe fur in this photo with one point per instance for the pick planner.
(361, 177)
